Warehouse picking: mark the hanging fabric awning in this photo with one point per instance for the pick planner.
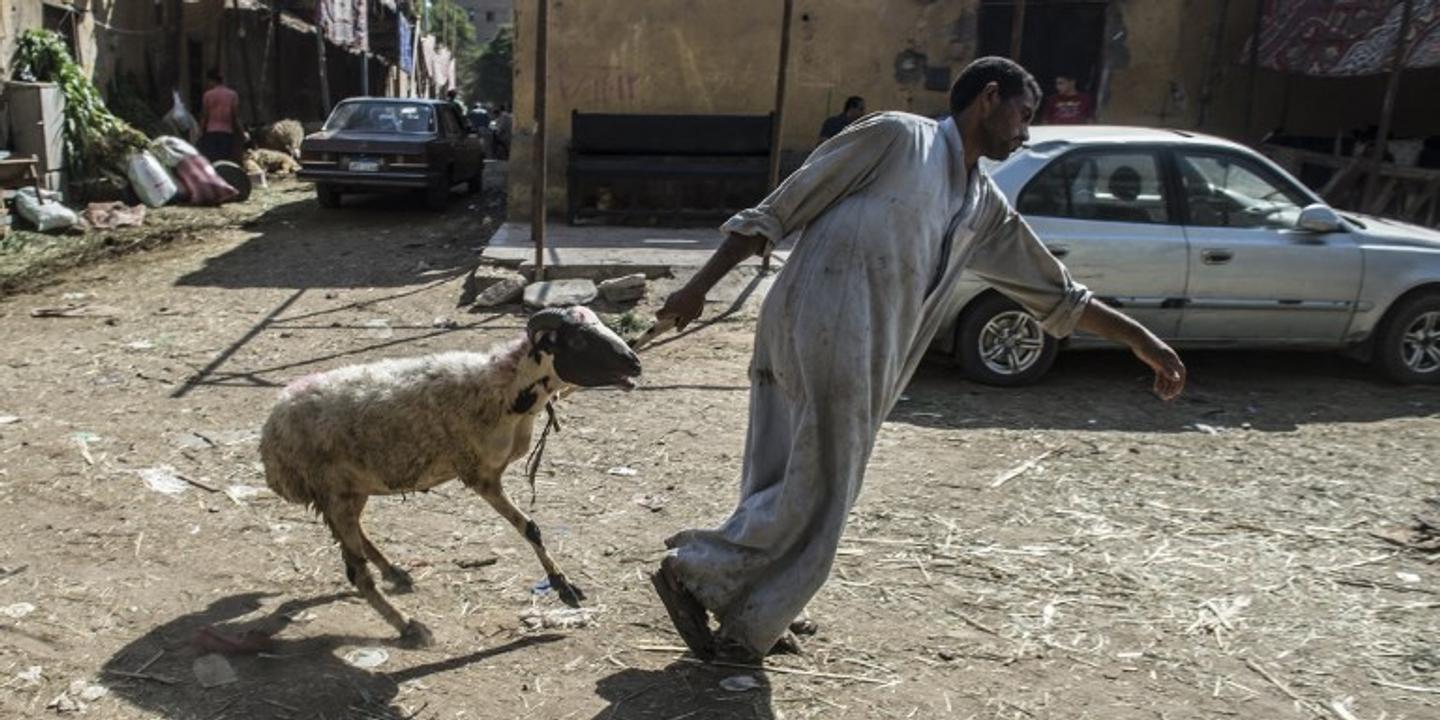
(344, 22)
(1332, 38)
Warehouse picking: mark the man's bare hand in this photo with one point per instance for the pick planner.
(1169, 371)
(683, 306)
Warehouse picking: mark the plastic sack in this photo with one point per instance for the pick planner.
(180, 118)
(45, 216)
(171, 150)
(148, 178)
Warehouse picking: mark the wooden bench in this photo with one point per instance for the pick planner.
(686, 167)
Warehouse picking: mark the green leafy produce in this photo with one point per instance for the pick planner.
(96, 141)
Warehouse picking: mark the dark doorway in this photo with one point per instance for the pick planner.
(1061, 36)
(195, 63)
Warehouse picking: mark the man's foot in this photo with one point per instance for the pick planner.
(686, 613)
(730, 650)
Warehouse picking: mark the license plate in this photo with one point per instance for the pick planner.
(364, 165)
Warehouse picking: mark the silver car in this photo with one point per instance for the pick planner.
(1210, 245)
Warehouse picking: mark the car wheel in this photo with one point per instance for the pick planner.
(998, 343)
(327, 196)
(1408, 348)
(437, 196)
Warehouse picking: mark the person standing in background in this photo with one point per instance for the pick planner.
(219, 120)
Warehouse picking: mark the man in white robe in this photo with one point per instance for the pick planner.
(889, 212)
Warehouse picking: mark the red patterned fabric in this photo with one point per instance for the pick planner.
(200, 181)
(1346, 37)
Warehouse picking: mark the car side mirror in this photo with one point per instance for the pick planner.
(1319, 218)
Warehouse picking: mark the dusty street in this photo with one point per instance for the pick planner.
(1072, 550)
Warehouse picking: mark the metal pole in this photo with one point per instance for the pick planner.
(778, 119)
(1387, 110)
(1259, 26)
(1017, 30)
(365, 73)
(537, 143)
(1212, 74)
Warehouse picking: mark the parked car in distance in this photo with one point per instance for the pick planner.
(379, 144)
(1209, 245)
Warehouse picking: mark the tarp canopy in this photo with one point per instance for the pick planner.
(1334, 38)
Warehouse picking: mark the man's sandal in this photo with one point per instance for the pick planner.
(686, 613)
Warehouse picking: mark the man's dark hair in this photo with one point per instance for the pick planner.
(214, 74)
(854, 101)
(1012, 79)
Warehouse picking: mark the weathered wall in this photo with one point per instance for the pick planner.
(721, 56)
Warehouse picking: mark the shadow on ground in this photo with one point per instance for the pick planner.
(303, 677)
(683, 690)
(371, 241)
(1110, 390)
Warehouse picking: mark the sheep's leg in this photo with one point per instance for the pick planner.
(343, 516)
(494, 494)
(393, 575)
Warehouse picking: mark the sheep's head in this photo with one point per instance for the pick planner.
(585, 352)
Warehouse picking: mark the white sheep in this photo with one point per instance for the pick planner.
(397, 426)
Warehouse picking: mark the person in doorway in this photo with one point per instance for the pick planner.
(854, 109)
(889, 213)
(1068, 106)
(453, 97)
(219, 120)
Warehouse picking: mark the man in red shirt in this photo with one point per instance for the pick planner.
(1068, 106)
(219, 120)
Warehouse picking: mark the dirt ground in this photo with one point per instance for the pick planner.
(1072, 550)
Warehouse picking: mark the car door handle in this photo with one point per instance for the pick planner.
(1058, 251)
(1216, 256)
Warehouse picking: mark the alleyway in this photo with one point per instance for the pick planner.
(1072, 550)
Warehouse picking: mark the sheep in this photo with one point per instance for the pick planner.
(395, 426)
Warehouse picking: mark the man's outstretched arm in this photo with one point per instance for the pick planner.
(1100, 319)
(688, 302)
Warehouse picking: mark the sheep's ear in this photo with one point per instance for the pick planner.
(544, 341)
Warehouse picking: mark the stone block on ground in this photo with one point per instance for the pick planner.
(503, 290)
(624, 289)
(559, 293)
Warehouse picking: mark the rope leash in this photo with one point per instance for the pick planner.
(532, 464)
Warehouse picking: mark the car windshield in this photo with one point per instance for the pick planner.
(383, 117)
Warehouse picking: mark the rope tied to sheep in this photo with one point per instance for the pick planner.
(532, 464)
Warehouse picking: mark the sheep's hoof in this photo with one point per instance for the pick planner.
(400, 581)
(416, 635)
(569, 593)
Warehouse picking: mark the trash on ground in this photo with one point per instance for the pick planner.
(379, 329)
(653, 503)
(740, 683)
(18, 610)
(213, 670)
(623, 471)
(1207, 429)
(367, 657)
(536, 618)
(9, 419)
(111, 215)
(444, 323)
(163, 479)
(31, 675)
(241, 493)
(44, 210)
(76, 696)
(148, 178)
(482, 562)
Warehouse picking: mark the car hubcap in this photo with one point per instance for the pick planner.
(1420, 348)
(1011, 342)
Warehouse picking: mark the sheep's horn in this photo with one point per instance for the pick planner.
(548, 319)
